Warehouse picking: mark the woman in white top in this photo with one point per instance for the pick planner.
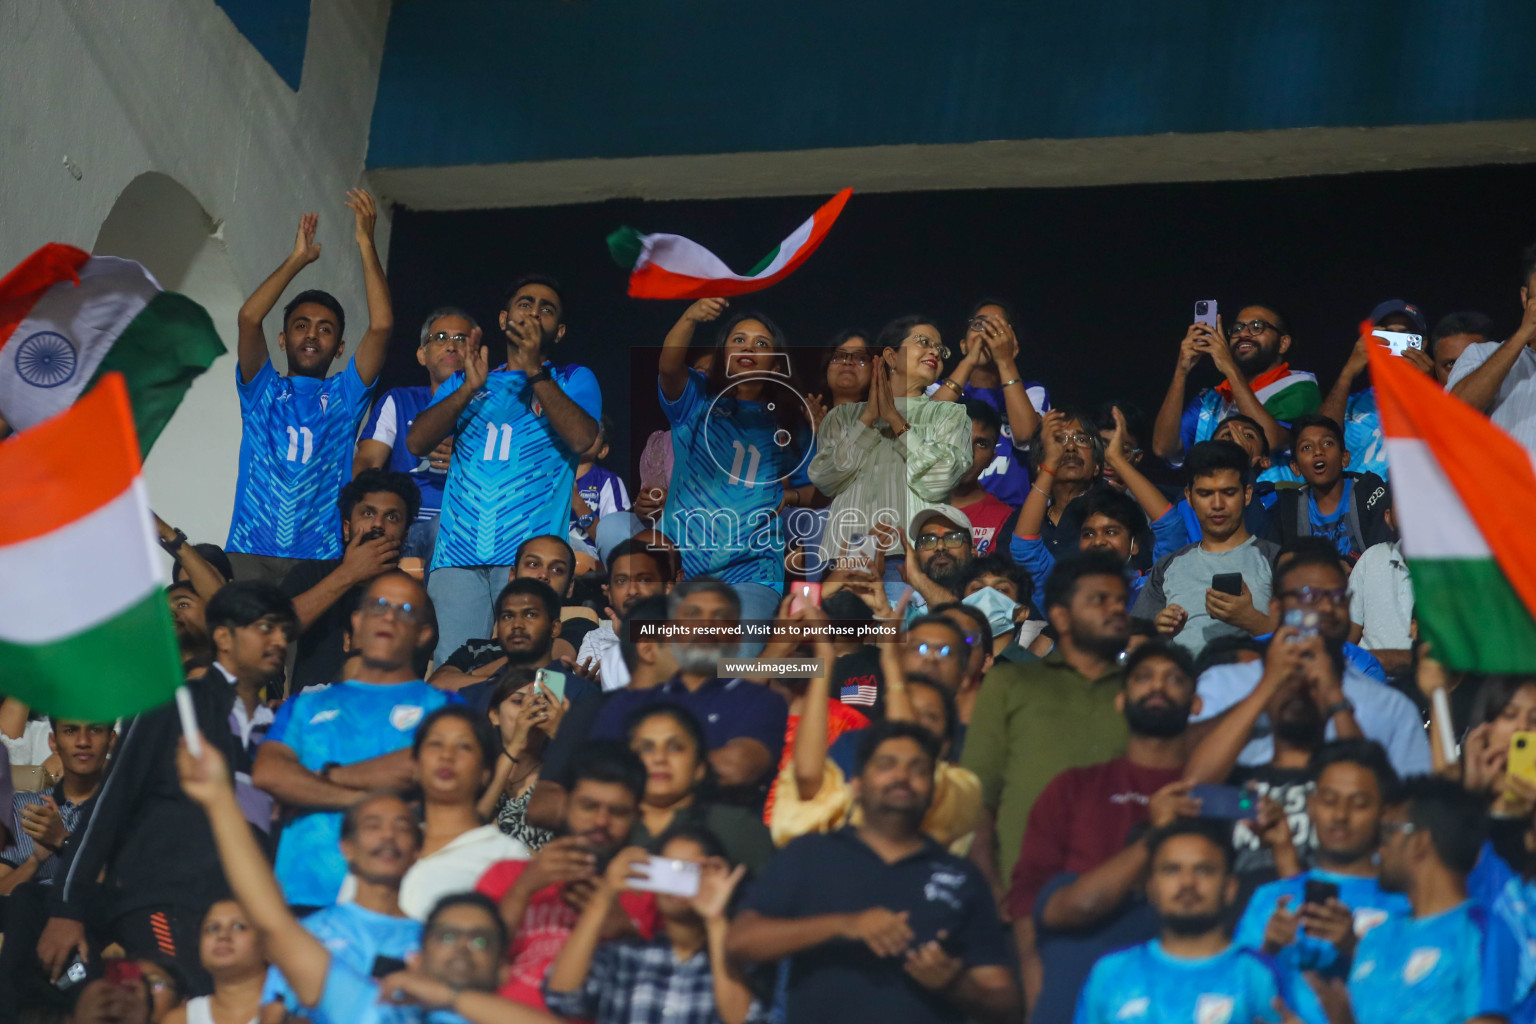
(232, 953)
(455, 754)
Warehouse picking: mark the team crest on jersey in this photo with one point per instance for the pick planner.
(1368, 918)
(1134, 1008)
(405, 716)
(537, 408)
(325, 716)
(325, 400)
(1213, 1009)
(1419, 964)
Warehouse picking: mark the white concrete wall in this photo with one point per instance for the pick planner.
(93, 95)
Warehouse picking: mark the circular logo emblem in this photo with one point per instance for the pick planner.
(728, 424)
(46, 360)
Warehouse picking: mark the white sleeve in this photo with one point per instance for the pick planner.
(31, 747)
(388, 423)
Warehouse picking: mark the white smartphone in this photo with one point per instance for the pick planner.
(1397, 341)
(1205, 313)
(665, 875)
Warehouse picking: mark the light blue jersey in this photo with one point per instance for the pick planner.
(726, 469)
(511, 475)
(1363, 438)
(1515, 910)
(295, 456)
(351, 997)
(1371, 904)
(341, 724)
(1145, 985)
(1430, 970)
(355, 937)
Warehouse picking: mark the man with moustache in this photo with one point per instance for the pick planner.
(943, 547)
(878, 921)
(635, 571)
(189, 618)
(527, 623)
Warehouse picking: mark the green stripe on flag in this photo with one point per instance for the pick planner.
(624, 246)
(166, 347)
(763, 263)
(1471, 616)
(119, 667)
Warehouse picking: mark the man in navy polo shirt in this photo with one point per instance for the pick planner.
(879, 922)
(743, 721)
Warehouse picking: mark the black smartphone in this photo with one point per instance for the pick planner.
(1318, 892)
(1226, 802)
(1228, 583)
(384, 966)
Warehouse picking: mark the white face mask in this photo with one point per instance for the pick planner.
(997, 606)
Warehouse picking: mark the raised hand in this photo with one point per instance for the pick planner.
(206, 778)
(1052, 425)
(305, 249)
(705, 310)
(559, 860)
(1172, 802)
(477, 362)
(717, 882)
(364, 213)
(1281, 929)
(527, 337)
(999, 340)
(816, 410)
(45, 825)
(441, 455)
(1191, 348)
(366, 556)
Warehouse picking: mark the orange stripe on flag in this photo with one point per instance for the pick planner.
(69, 466)
(23, 286)
(1489, 470)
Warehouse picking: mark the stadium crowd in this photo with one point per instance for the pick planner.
(1148, 735)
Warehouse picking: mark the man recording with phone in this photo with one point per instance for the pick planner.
(1402, 326)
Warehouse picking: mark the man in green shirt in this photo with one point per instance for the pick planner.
(1033, 720)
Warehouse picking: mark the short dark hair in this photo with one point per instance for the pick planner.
(528, 586)
(535, 278)
(1113, 504)
(479, 725)
(983, 413)
(1207, 458)
(991, 300)
(508, 681)
(353, 811)
(1135, 418)
(1160, 649)
(1279, 319)
(470, 899)
(570, 554)
(648, 609)
(214, 556)
(895, 331)
(1061, 584)
(1456, 821)
(872, 738)
(374, 481)
(55, 720)
(609, 762)
(1299, 552)
(707, 840)
(969, 611)
(951, 708)
(1319, 421)
(246, 601)
(1217, 834)
(319, 298)
(1086, 420)
(663, 557)
(1242, 417)
(1224, 651)
(1528, 264)
(1367, 754)
(1466, 322)
(1007, 568)
(934, 619)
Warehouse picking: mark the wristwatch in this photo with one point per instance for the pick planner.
(542, 375)
(1339, 708)
(174, 544)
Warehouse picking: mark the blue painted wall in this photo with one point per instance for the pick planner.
(490, 81)
(277, 28)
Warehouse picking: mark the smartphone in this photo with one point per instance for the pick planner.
(1225, 802)
(1304, 621)
(122, 972)
(384, 966)
(552, 683)
(1397, 341)
(665, 875)
(1228, 583)
(1319, 892)
(1522, 756)
(802, 593)
(1205, 312)
(73, 974)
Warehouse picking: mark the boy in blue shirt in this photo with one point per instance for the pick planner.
(1192, 972)
(1348, 509)
(297, 430)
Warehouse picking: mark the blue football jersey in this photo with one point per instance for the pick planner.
(1429, 970)
(1370, 903)
(1363, 437)
(351, 997)
(341, 724)
(511, 476)
(1145, 985)
(726, 473)
(354, 936)
(390, 423)
(295, 456)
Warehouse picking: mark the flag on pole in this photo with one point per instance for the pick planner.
(68, 318)
(674, 267)
(1467, 490)
(85, 631)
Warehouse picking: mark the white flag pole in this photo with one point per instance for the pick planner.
(188, 721)
(1442, 709)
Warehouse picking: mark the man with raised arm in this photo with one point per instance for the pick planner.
(296, 448)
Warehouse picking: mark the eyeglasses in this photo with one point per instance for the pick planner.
(1309, 596)
(1256, 325)
(850, 357)
(1398, 828)
(950, 539)
(439, 337)
(926, 343)
(383, 608)
(1075, 440)
(477, 939)
(933, 649)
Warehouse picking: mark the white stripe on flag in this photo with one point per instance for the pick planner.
(1269, 391)
(81, 574)
(89, 316)
(1435, 523)
(684, 256)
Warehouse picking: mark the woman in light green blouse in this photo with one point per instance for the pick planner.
(885, 459)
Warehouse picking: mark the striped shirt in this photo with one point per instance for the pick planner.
(21, 848)
(635, 982)
(1514, 405)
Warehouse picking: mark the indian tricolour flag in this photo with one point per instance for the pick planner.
(674, 267)
(68, 318)
(85, 631)
(1464, 493)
